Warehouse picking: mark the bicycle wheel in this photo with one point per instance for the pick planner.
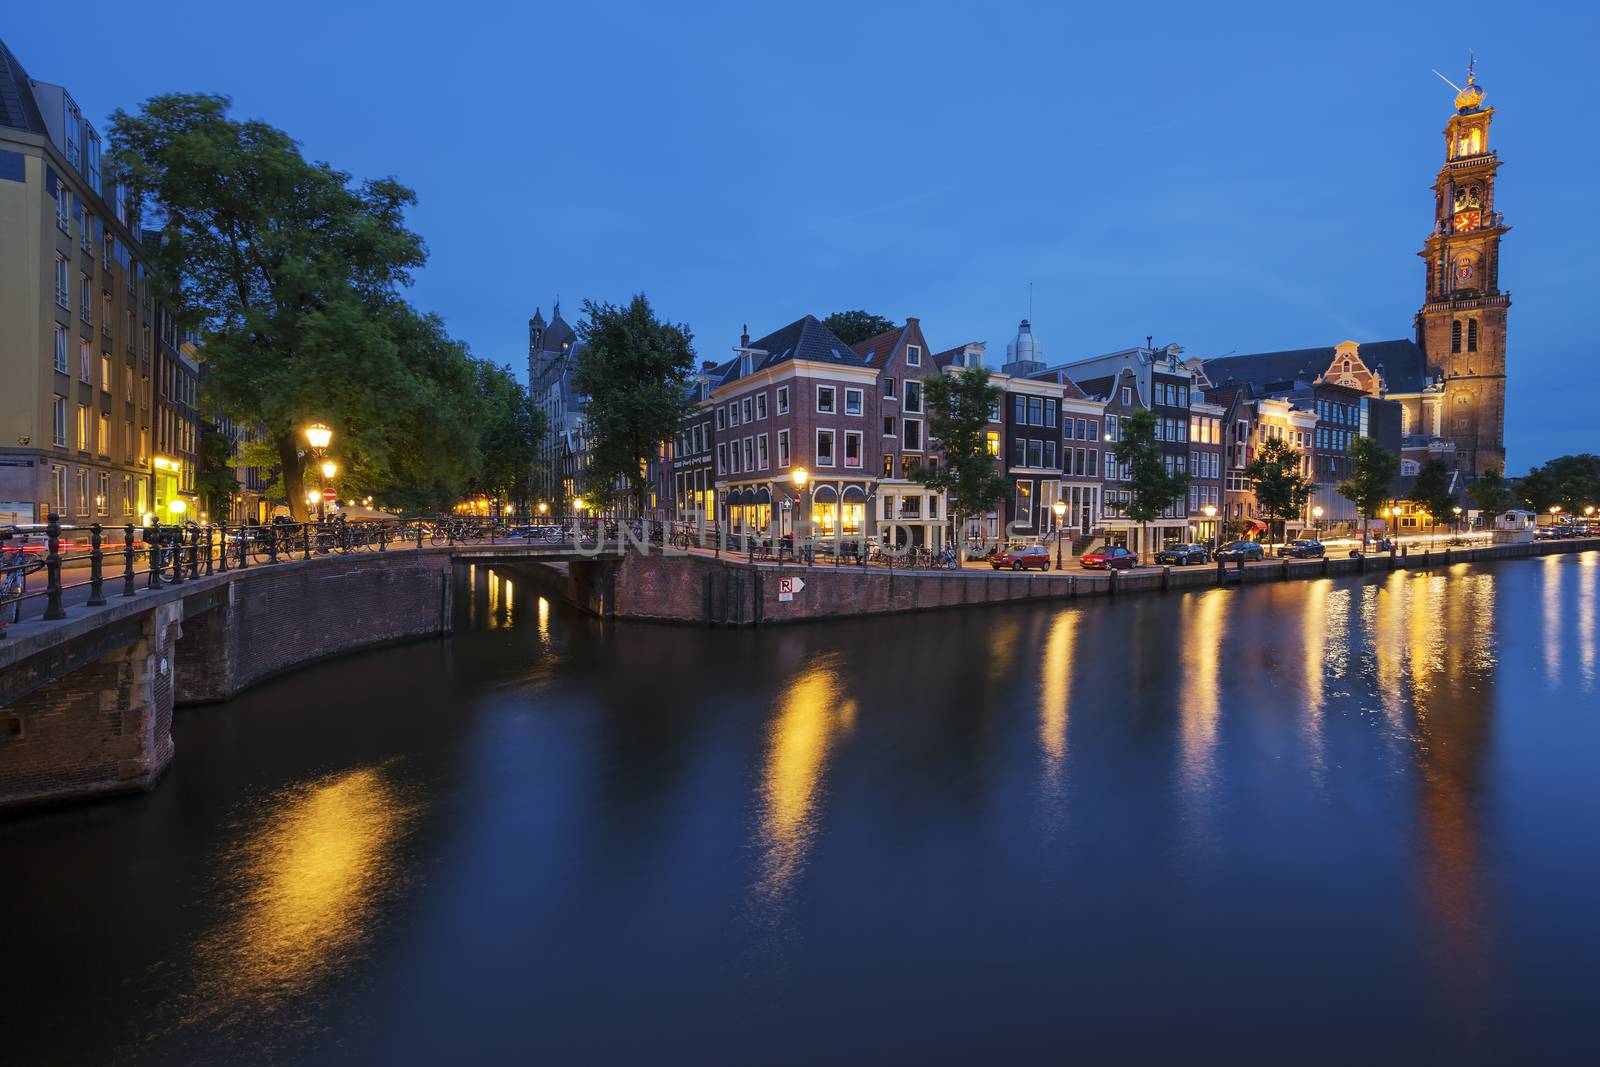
(12, 589)
(439, 536)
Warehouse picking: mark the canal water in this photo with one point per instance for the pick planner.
(1333, 821)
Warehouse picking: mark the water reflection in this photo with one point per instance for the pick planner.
(303, 892)
(814, 713)
(1588, 571)
(1055, 685)
(1551, 600)
(1205, 617)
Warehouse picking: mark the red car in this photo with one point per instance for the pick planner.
(1021, 558)
(1112, 556)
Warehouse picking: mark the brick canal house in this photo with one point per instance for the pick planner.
(855, 420)
(1123, 382)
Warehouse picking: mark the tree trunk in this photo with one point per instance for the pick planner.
(294, 486)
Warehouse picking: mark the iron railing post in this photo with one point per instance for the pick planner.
(52, 606)
(419, 535)
(383, 537)
(152, 547)
(272, 543)
(127, 560)
(305, 531)
(177, 555)
(244, 546)
(97, 588)
(222, 563)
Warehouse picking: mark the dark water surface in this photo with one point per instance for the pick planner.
(1367, 830)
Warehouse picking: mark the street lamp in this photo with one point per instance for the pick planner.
(1216, 529)
(1457, 511)
(799, 476)
(1316, 519)
(1060, 508)
(318, 436)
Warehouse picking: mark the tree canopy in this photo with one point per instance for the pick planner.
(853, 327)
(1371, 482)
(291, 273)
(1490, 492)
(635, 370)
(1431, 491)
(1281, 489)
(1569, 482)
(1152, 487)
(958, 407)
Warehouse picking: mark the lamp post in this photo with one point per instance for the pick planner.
(329, 469)
(1457, 511)
(1216, 529)
(319, 436)
(1316, 520)
(799, 476)
(1060, 508)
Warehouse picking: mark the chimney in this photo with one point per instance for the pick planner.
(744, 338)
(708, 366)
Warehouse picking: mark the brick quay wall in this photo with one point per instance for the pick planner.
(701, 590)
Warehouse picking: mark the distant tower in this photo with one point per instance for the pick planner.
(1024, 355)
(1462, 324)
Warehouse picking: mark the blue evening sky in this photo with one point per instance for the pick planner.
(1235, 179)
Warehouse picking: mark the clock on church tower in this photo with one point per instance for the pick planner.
(1462, 323)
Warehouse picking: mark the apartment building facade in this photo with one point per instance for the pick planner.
(77, 322)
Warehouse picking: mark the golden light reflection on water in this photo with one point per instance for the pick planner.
(1588, 570)
(544, 620)
(1055, 687)
(1551, 602)
(1205, 616)
(1003, 649)
(303, 892)
(813, 715)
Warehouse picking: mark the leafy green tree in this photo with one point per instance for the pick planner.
(281, 263)
(1280, 487)
(509, 431)
(853, 327)
(1371, 482)
(1573, 482)
(214, 479)
(958, 407)
(1491, 492)
(634, 369)
(1431, 491)
(1152, 487)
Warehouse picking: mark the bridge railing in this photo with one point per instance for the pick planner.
(45, 568)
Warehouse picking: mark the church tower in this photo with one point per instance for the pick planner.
(1462, 324)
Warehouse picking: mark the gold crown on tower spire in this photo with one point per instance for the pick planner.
(1470, 96)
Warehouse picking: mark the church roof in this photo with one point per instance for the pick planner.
(1403, 365)
(18, 108)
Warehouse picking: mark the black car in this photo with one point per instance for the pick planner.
(1241, 550)
(1304, 549)
(1182, 555)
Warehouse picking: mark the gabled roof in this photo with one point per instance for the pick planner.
(805, 338)
(875, 351)
(949, 356)
(18, 108)
(1060, 377)
(1401, 363)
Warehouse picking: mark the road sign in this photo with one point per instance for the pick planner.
(329, 494)
(788, 587)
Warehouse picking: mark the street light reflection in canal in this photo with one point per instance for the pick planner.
(1197, 825)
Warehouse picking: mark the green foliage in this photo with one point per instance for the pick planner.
(509, 431)
(1281, 490)
(958, 407)
(1371, 482)
(1431, 491)
(214, 479)
(1490, 492)
(853, 327)
(634, 369)
(1573, 482)
(286, 268)
(1152, 488)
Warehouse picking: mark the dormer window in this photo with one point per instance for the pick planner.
(913, 355)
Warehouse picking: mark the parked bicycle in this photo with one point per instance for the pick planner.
(17, 561)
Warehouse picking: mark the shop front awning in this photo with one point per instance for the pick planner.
(825, 494)
(738, 497)
(1254, 524)
(855, 493)
(762, 496)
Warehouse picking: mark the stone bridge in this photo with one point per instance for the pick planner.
(86, 702)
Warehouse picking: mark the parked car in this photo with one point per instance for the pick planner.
(1552, 533)
(1304, 549)
(1022, 558)
(1182, 555)
(1241, 550)
(1112, 556)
